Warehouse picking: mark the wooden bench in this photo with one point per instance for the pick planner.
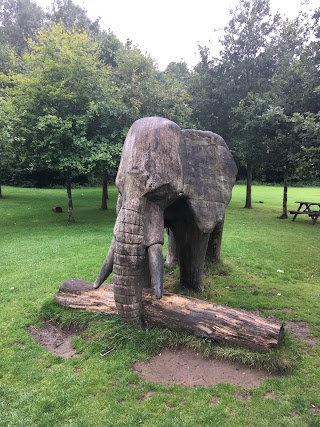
(295, 213)
(306, 208)
(299, 212)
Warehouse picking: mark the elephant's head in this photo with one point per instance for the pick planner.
(158, 181)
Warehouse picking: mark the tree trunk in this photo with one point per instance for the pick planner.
(248, 204)
(225, 325)
(285, 194)
(69, 193)
(105, 196)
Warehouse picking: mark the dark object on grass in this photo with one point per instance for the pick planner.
(225, 325)
(57, 209)
(169, 177)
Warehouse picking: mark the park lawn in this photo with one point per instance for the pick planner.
(39, 251)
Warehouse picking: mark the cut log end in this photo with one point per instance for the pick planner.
(225, 325)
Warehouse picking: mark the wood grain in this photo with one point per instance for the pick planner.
(228, 326)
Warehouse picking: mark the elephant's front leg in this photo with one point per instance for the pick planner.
(191, 247)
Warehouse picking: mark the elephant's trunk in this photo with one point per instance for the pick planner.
(138, 231)
(129, 265)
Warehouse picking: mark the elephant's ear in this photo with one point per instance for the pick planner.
(209, 173)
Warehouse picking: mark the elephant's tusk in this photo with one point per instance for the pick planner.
(107, 266)
(156, 268)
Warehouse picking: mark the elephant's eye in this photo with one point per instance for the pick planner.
(149, 183)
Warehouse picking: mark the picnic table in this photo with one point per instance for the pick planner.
(306, 208)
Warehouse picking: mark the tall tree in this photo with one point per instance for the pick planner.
(246, 60)
(144, 92)
(212, 98)
(110, 46)
(295, 50)
(148, 92)
(249, 134)
(73, 16)
(53, 107)
(244, 67)
(308, 130)
(6, 150)
(19, 21)
(180, 70)
(283, 146)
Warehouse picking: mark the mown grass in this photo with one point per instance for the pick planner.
(39, 251)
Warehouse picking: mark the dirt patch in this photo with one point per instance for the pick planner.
(301, 331)
(146, 396)
(244, 396)
(55, 339)
(189, 369)
(270, 395)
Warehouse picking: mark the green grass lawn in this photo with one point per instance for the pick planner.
(39, 251)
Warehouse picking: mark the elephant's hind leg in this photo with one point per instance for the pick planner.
(192, 247)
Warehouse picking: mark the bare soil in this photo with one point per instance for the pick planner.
(187, 368)
(301, 331)
(55, 339)
(184, 367)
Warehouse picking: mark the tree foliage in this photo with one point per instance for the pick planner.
(307, 126)
(60, 102)
(249, 130)
(296, 74)
(267, 72)
(19, 21)
(70, 91)
(148, 92)
(72, 16)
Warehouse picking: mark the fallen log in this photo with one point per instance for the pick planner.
(225, 325)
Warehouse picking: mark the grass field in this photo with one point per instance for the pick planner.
(39, 251)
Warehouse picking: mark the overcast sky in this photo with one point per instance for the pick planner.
(170, 30)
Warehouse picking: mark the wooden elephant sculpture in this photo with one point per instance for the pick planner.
(168, 177)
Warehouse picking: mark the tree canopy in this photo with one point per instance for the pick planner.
(53, 105)
(69, 91)
(268, 63)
